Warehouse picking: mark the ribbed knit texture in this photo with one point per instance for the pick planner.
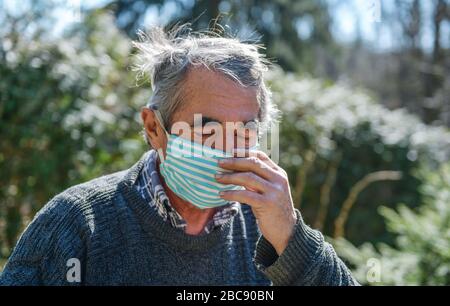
(120, 240)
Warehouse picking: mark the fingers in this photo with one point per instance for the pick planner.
(248, 180)
(238, 152)
(242, 196)
(249, 164)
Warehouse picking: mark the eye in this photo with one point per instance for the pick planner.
(204, 134)
(210, 128)
(247, 133)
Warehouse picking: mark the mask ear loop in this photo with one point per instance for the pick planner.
(161, 123)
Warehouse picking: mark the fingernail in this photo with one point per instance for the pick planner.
(221, 193)
(218, 175)
(222, 161)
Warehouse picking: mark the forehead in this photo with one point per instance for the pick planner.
(216, 96)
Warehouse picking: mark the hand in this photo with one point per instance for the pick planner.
(266, 191)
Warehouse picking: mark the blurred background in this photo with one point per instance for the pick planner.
(364, 87)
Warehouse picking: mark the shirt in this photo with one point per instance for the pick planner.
(151, 189)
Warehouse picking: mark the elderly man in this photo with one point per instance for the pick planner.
(190, 211)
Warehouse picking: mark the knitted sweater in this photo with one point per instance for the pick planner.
(117, 239)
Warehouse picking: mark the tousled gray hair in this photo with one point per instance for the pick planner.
(165, 57)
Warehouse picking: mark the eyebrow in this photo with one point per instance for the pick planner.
(206, 120)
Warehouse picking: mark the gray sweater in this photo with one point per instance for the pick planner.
(117, 239)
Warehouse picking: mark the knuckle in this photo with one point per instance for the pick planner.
(262, 155)
(282, 178)
(254, 160)
(246, 176)
(283, 172)
(278, 187)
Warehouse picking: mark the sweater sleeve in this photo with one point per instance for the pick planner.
(43, 250)
(307, 260)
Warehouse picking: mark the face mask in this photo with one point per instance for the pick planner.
(188, 170)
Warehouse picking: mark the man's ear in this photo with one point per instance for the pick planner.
(155, 133)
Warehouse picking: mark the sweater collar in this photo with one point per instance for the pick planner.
(154, 225)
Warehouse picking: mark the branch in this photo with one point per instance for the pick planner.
(325, 191)
(339, 224)
(300, 183)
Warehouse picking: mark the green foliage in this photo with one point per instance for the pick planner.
(347, 127)
(421, 255)
(296, 33)
(68, 113)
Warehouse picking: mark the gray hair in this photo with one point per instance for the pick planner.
(166, 57)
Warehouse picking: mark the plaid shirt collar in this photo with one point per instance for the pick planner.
(151, 189)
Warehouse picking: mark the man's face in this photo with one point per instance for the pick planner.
(216, 109)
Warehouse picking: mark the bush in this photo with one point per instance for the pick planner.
(333, 136)
(421, 255)
(69, 111)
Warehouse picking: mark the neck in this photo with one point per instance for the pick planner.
(196, 218)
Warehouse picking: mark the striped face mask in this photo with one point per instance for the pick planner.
(188, 170)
